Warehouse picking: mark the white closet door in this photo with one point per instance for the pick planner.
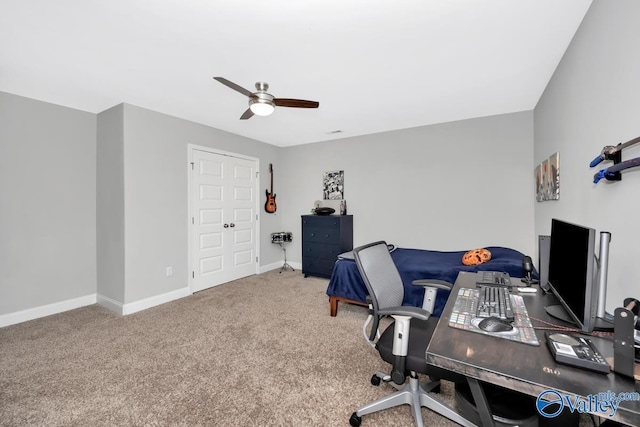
(223, 229)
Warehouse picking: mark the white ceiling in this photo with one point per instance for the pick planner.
(374, 65)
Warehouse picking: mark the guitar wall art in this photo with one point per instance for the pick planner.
(270, 206)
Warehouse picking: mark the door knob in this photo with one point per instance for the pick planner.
(226, 226)
(232, 225)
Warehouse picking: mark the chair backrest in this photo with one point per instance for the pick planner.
(380, 275)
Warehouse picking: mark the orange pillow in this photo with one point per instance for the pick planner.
(476, 256)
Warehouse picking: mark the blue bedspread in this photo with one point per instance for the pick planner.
(416, 264)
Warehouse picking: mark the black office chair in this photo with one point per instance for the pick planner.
(404, 342)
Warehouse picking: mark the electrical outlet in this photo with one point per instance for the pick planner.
(169, 271)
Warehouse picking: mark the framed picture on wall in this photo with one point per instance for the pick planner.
(545, 179)
(554, 177)
(333, 185)
(538, 179)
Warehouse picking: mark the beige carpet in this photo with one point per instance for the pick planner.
(260, 351)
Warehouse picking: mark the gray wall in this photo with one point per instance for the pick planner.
(97, 204)
(451, 186)
(415, 188)
(156, 198)
(47, 203)
(110, 204)
(592, 101)
(428, 179)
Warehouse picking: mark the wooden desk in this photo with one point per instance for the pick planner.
(521, 367)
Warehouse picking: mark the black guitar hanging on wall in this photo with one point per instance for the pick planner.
(270, 205)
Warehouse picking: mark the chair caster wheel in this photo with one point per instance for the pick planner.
(375, 380)
(355, 420)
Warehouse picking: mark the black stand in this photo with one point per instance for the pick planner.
(623, 351)
(286, 265)
(560, 313)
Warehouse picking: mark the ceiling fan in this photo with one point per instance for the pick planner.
(262, 103)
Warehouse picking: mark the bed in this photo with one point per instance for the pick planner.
(346, 284)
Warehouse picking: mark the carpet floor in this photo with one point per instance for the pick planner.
(259, 351)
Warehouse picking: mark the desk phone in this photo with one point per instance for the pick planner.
(576, 351)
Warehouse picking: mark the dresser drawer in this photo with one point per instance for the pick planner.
(320, 250)
(321, 235)
(319, 221)
(318, 266)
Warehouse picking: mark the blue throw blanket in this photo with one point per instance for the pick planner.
(414, 264)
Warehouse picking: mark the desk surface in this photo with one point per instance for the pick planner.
(524, 368)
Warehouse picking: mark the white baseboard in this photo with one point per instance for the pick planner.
(111, 304)
(46, 310)
(143, 304)
(269, 267)
(276, 265)
(134, 307)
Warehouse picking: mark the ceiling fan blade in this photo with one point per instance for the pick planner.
(296, 103)
(234, 86)
(247, 114)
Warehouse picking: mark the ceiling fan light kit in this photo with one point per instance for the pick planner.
(261, 107)
(262, 103)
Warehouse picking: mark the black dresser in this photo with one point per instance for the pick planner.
(323, 239)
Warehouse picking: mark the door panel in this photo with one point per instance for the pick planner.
(223, 206)
(243, 193)
(210, 265)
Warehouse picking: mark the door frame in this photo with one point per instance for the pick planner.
(191, 148)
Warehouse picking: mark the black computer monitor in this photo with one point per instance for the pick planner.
(571, 274)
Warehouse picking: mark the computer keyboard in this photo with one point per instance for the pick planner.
(499, 278)
(494, 301)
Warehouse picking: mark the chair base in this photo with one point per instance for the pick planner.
(415, 395)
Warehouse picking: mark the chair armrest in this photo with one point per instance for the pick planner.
(431, 287)
(401, 337)
(433, 283)
(413, 312)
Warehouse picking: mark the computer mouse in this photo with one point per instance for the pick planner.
(495, 324)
